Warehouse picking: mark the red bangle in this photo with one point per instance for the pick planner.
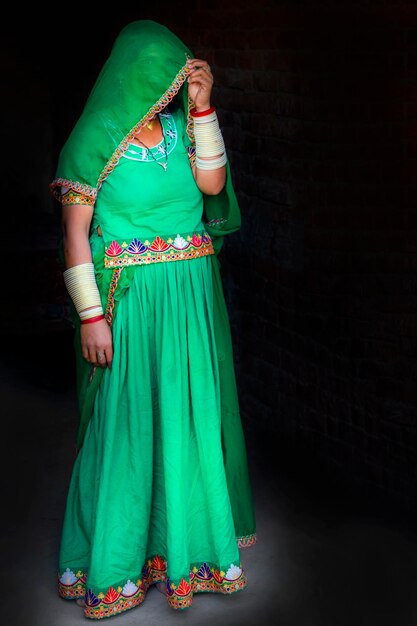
(195, 113)
(89, 320)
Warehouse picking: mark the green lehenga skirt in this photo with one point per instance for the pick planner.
(159, 489)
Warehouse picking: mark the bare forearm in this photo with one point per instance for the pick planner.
(95, 332)
(76, 249)
(75, 229)
(210, 182)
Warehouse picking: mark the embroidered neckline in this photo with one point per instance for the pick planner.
(161, 104)
(158, 151)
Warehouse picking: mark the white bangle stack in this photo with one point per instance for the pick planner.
(90, 313)
(208, 141)
(82, 287)
(211, 164)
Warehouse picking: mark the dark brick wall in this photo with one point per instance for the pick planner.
(318, 104)
(319, 111)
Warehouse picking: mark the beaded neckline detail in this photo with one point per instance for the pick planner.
(162, 149)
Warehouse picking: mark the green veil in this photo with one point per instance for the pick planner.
(145, 71)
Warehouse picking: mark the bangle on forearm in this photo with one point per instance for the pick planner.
(211, 164)
(82, 288)
(208, 141)
(90, 320)
(195, 113)
(92, 312)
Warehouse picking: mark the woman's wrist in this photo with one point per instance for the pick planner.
(91, 320)
(202, 108)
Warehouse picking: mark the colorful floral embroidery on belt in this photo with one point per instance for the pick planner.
(117, 599)
(178, 248)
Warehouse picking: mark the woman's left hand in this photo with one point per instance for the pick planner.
(200, 83)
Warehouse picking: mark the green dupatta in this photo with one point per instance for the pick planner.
(146, 69)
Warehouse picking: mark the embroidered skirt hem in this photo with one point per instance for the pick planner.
(203, 577)
(163, 457)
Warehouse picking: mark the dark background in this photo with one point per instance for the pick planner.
(318, 106)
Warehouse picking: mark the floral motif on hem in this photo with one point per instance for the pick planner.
(247, 540)
(72, 586)
(177, 248)
(203, 577)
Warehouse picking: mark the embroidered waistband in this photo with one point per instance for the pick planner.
(159, 249)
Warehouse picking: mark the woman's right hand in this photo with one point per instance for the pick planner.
(96, 337)
(97, 343)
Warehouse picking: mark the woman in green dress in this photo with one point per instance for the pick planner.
(159, 491)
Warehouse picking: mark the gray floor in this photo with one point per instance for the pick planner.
(322, 558)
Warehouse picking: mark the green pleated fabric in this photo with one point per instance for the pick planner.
(160, 489)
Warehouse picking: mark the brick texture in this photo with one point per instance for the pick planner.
(319, 113)
(318, 106)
